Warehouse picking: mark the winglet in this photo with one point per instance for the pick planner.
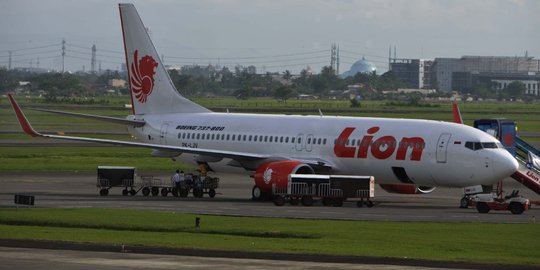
(457, 114)
(25, 125)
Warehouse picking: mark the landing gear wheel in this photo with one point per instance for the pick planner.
(294, 201)
(360, 203)
(307, 200)
(369, 203)
(279, 200)
(103, 192)
(164, 192)
(155, 191)
(125, 192)
(464, 202)
(132, 192)
(256, 193)
(146, 191)
(212, 193)
(184, 192)
(516, 208)
(482, 207)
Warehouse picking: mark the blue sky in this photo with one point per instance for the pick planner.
(256, 32)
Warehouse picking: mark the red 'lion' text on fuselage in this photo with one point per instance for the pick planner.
(381, 148)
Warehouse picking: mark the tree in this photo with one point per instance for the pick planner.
(482, 90)
(355, 103)
(515, 89)
(7, 80)
(283, 92)
(287, 75)
(242, 93)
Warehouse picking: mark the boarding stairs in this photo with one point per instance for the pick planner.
(526, 174)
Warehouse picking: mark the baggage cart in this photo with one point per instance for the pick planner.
(330, 189)
(116, 176)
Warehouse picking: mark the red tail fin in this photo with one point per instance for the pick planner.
(457, 114)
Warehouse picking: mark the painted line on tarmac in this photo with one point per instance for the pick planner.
(297, 211)
(230, 208)
(330, 213)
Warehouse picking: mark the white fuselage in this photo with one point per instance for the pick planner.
(423, 152)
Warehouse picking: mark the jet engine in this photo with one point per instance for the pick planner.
(406, 189)
(276, 173)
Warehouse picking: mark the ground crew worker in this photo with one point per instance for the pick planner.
(178, 178)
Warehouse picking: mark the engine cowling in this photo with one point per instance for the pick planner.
(406, 188)
(277, 172)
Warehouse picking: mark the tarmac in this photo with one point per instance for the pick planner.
(60, 190)
(68, 190)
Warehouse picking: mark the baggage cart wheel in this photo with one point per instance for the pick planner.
(482, 207)
(369, 203)
(464, 202)
(294, 201)
(307, 200)
(155, 191)
(132, 192)
(279, 200)
(146, 191)
(198, 193)
(164, 192)
(516, 208)
(175, 192)
(360, 203)
(125, 192)
(338, 202)
(326, 201)
(103, 192)
(184, 192)
(212, 193)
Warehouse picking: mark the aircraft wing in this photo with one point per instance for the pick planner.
(28, 129)
(136, 123)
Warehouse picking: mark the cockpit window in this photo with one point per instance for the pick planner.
(489, 145)
(478, 145)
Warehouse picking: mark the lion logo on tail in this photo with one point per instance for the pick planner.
(142, 76)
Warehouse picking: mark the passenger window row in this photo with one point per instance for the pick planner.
(248, 138)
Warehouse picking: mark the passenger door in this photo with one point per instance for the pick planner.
(299, 142)
(442, 146)
(163, 133)
(309, 142)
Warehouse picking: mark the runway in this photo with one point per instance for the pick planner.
(18, 258)
(64, 190)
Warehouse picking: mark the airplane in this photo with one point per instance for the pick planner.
(407, 156)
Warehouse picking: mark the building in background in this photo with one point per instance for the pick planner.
(415, 73)
(360, 66)
(462, 74)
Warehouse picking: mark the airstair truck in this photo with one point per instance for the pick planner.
(527, 174)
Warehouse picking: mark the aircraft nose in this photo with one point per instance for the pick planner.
(505, 164)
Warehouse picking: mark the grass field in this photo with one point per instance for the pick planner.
(470, 242)
(81, 159)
